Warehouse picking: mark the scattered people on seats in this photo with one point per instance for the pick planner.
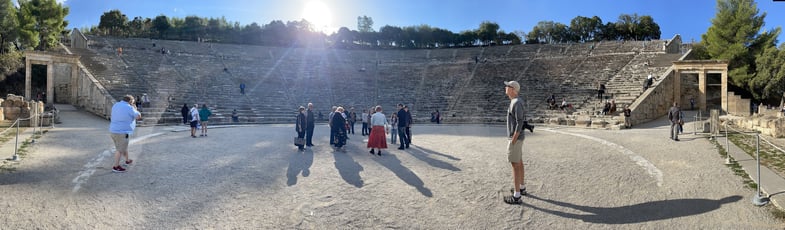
(194, 121)
(648, 82)
(551, 101)
(338, 128)
(321, 116)
(119, 51)
(435, 117)
(627, 114)
(377, 139)
(145, 100)
(612, 109)
(564, 104)
(204, 116)
(674, 116)
(606, 108)
(403, 119)
(121, 126)
(138, 103)
(300, 127)
(310, 124)
(600, 90)
(184, 112)
(515, 125)
(235, 117)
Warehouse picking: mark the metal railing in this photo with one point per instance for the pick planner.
(17, 124)
(759, 199)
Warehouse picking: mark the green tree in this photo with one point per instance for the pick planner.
(548, 32)
(647, 28)
(194, 27)
(47, 20)
(488, 32)
(734, 28)
(364, 24)
(8, 25)
(161, 25)
(584, 29)
(114, 22)
(769, 78)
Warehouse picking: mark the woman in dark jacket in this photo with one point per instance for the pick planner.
(338, 128)
(184, 111)
(300, 127)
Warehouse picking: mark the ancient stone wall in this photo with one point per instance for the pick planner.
(15, 107)
(770, 124)
(655, 102)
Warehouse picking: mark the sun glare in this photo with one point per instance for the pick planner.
(319, 15)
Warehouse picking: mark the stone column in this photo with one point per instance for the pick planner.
(50, 82)
(28, 77)
(702, 90)
(73, 82)
(676, 88)
(725, 90)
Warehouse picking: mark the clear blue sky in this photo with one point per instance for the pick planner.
(690, 18)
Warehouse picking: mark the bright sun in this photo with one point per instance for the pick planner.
(318, 14)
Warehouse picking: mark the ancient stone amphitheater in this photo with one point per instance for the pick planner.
(465, 84)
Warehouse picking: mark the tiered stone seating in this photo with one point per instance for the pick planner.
(279, 79)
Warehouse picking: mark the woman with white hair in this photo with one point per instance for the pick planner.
(377, 139)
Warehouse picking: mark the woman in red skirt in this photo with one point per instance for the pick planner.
(377, 138)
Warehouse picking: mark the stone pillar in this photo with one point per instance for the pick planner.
(676, 88)
(50, 82)
(72, 84)
(725, 90)
(702, 90)
(28, 77)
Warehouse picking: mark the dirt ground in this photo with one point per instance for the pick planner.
(453, 177)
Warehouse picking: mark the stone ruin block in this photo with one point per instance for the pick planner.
(11, 113)
(598, 123)
(583, 121)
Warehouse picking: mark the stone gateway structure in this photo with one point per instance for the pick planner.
(69, 82)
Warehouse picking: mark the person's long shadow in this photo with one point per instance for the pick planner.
(637, 213)
(299, 162)
(392, 162)
(424, 154)
(348, 167)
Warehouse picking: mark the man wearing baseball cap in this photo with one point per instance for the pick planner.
(515, 127)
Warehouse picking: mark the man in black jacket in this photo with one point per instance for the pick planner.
(309, 125)
(403, 120)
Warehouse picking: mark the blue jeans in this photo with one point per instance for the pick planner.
(402, 136)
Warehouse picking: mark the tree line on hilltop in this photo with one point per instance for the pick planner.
(756, 63)
(302, 33)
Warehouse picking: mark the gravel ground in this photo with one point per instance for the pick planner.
(453, 177)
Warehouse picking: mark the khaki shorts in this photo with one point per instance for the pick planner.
(120, 142)
(515, 152)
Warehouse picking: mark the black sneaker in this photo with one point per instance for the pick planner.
(512, 199)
